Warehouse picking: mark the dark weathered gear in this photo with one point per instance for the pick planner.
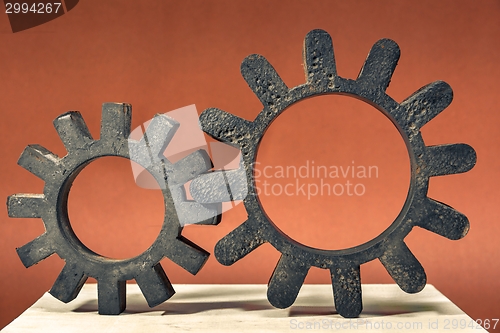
(389, 247)
(51, 206)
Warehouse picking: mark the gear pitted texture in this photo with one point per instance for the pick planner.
(419, 210)
(51, 206)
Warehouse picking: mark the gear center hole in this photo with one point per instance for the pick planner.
(110, 214)
(332, 172)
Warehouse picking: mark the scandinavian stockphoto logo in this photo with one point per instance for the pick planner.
(26, 14)
(310, 179)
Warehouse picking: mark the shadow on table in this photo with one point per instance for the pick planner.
(136, 304)
(176, 308)
(378, 311)
(308, 306)
(216, 291)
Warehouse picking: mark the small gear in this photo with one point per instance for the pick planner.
(389, 247)
(81, 262)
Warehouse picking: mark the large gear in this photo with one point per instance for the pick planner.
(389, 247)
(81, 262)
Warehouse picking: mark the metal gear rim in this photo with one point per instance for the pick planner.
(51, 206)
(418, 210)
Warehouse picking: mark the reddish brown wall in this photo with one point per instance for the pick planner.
(161, 55)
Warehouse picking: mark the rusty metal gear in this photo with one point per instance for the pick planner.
(59, 238)
(389, 247)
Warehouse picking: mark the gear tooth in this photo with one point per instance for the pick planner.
(213, 214)
(286, 281)
(239, 242)
(155, 285)
(69, 283)
(159, 133)
(220, 186)
(26, 205)
(35, 251)
(190, 166)
(139, 152)
(186, 254)
(238, 183)
(39, 161)
(225, 126)
(210, 188)
(319, 59)
(426, 103)
(449, 159)
(116, 120)
(264, 81)
(149, 149)
(111, 295)
(346, 282)
(73, 131)
(380, 64)
(404, 268)
(444, 220)
(190, 212)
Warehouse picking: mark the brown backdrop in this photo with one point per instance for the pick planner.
(162, 55)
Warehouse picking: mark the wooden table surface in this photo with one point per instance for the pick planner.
(244, 308)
